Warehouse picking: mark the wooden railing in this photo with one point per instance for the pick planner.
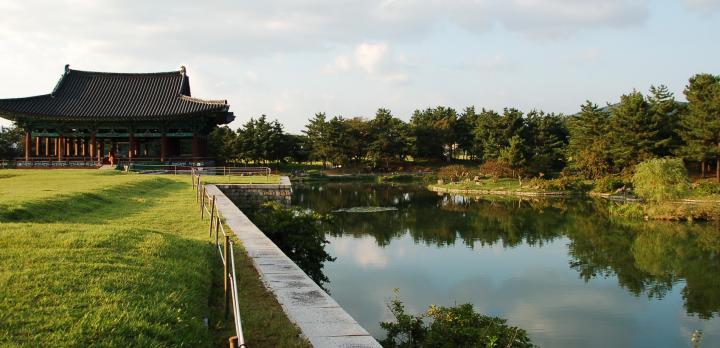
(227, 256)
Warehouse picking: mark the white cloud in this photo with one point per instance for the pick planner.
(369, 56)
(703, 6)
(342, 63)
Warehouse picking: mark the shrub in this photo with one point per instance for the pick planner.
(661, 179)
(608, 184)
(298, 234)
(707, 188)
(495, 169)
(458, 326)
(628, 210)
(453, 173)
(563, 183)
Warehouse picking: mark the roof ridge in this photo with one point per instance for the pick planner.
(106, 73)
(204, 101)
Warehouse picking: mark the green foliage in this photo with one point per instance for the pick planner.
(707, 188)
(10, 142)
(634, 131)
(457, 326)
(298, 234)
(389, 138)
(608, 184)
(434, 132)
(629, 210)
(589, 150)
(700, 128)
(563, 183)
(661, 179)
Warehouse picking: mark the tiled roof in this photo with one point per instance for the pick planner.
(84, 95)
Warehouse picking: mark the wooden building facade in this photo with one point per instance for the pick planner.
(95, 118)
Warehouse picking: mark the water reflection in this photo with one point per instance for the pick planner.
(517, 257)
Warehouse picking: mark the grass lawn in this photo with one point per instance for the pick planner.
(101, 258)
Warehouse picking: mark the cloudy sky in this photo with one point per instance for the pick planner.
(290, 59)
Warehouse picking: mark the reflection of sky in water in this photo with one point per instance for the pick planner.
(523, 260)
(532, 287)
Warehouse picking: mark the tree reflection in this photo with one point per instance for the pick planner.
(648, 258)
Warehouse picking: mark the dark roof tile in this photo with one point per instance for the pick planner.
(84, 95)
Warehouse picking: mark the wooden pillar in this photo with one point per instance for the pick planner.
(61, 147)
(93, 145)
(37, 146)
(195, 146)
(131, 146)
(163, 147)
(47, 147)
(27, 145)
(56, 145)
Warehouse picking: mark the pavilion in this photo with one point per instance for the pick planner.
(91, 118)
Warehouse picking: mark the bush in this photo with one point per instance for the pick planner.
(453, 173)
(608, 184)
(298, 234)
(707, 188)
(495, 169)
(458, 326)
(563, 183)
(661, 179)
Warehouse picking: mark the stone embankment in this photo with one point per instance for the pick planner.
(319, 317)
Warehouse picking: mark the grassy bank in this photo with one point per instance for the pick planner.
(98, 258)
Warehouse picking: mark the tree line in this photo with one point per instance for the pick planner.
(597, 141)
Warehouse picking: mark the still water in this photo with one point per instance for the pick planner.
(561, 269)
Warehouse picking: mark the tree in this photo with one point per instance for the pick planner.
(700, 128)
(221, 143)
(317, 132)
(548, 142)
(635, 133)
(358, 138)
(10, 140)
(588, 148)
(661, 179)
(666, 113)
(388, 138)
(488, 137)
(260, 140)
(433, 131)
(514, 154)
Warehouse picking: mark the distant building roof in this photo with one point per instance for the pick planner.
(103, 96)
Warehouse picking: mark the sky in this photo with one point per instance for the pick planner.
(291, 59)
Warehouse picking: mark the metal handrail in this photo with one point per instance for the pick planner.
(227, 258)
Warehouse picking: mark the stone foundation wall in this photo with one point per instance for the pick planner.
(246, 196)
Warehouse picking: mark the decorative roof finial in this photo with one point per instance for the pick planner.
(67, 68)
(182, 69)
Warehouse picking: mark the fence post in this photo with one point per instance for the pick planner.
(202, 203)
(233, 342)
(226, 278)
(212, 213)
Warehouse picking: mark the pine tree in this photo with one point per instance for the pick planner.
(635, 132)
(666, 113)
(317, 133)
(588, 149)
(700, 128)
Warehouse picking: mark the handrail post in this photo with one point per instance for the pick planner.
(226, 278)
(202, 203)
(233, 342)
(212, 213)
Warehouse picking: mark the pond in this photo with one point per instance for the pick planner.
(562, 269)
